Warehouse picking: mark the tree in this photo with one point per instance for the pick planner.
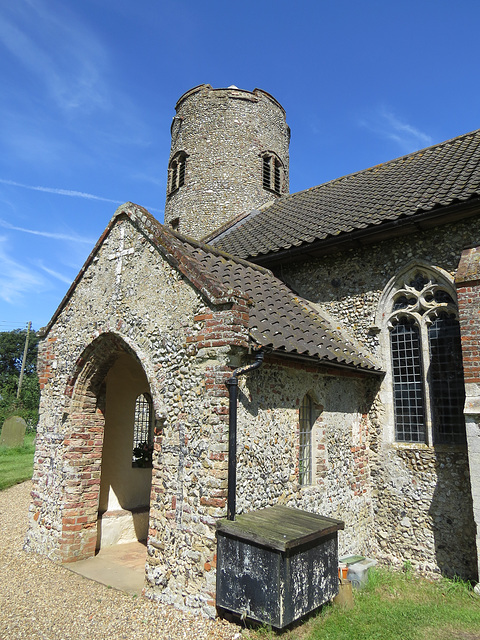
(12, 344)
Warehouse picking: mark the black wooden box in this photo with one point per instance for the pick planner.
(277, 564)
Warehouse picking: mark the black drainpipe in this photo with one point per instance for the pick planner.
(232, 384)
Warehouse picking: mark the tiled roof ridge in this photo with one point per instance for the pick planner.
(245, 217)
(208, 248)
(169, 242)
(435, 177)
(343, 348)
(384, 164)
(225, 227)
(295, 327)
(173, 244)
(237, 221)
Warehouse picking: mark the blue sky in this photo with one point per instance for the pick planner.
(89, 89)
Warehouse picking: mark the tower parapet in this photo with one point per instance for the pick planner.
(229, 155)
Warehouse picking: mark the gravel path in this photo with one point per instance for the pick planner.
(39, 599)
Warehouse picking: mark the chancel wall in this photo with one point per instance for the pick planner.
(421, 492)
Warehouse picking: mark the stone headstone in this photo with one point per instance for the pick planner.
(13, 432)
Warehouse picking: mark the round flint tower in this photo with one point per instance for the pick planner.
(229, 155)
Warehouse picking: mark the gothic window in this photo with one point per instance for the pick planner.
(427, 374)
(176, 172)
(143, 432)
(272, 173)
(306, 420)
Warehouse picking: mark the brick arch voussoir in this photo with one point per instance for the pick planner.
(84, 444)
(93, 365)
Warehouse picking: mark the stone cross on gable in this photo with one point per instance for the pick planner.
(118, 255)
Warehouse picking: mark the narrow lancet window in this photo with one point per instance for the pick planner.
(142, 432)
(306, 420)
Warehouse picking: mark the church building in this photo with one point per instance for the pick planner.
(357, 299)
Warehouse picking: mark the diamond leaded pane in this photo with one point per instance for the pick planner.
(446, 380)
(408, 394)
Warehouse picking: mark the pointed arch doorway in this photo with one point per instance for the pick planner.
(126, 471)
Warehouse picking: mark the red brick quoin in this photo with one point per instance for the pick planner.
(468, 292)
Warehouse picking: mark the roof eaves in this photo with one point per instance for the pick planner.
(212, 249)
(421, 218)
(324, 363)
(236, 222)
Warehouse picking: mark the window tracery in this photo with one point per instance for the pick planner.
(425, 349)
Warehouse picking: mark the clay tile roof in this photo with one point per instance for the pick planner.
(432, 178)
(278, 318)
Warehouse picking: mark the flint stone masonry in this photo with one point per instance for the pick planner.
(421, 496)
(106, 325)
(349, 283)
(269, 400)
(106, 318)
(224, 132)
(145, 315)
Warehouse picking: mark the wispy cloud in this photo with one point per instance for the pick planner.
(72, 69)
(386, 124)
(70, 193)
(16, 279)
(60, 192)
(55, 274)
(48, 234)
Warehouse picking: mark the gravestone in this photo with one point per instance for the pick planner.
(13, 432)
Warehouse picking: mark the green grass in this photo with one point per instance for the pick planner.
(394, 605)
(16, 463)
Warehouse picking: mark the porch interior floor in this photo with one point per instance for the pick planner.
(121, 566)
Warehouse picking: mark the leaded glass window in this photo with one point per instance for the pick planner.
(306, 420)
(446, 379)
(142, 432)
(427, 374)
(408, 388)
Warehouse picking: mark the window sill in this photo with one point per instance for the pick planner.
(276, 193)
(421, 446)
